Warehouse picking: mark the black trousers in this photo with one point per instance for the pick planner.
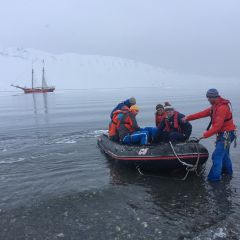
(164, 136)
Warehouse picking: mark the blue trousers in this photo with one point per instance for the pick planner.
(139, 137)
(221, 158)
(152, 133)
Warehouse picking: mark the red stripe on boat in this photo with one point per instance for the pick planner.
(182, 157)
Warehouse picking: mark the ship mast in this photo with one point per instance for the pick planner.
(43, 76)
(32, 77)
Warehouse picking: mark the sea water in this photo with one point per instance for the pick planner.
(56, 184)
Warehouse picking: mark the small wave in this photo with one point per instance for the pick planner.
(11, 160)
(66, 141)
(62, 140)
(4, 150)
(93, 134)
(220, 233)
(99, 132)
(73, 138)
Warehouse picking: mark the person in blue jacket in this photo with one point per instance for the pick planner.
(128, 103)
(172, 128)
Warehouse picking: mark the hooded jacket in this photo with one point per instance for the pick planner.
(221, 115)
(120, 106)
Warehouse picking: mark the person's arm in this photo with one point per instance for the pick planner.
(187, 129)
(134, 122)
(156, 119)
(118, 107)
(218, 122)
(202, 114)
(111, 115)
(161, 125)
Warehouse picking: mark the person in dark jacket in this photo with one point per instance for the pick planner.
(128, 103)
(129, 131)
(172, 128)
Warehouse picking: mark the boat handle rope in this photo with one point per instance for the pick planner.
(138, 167)
(189, 167)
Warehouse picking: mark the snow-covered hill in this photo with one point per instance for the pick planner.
(74, 71)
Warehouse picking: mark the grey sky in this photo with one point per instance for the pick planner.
(195, 36)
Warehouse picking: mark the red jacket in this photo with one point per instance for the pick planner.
(159, 118)
(115, 122)
(221, 117)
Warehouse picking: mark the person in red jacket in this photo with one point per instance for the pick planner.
(223, 126)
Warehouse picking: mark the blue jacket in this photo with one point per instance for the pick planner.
(119, 106)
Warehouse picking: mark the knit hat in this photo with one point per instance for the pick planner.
(159, 106)
(134, 108)
(132, 101)
(212, 93)
(167, 104)
(168, 107)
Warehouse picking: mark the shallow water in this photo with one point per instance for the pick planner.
(56, 184)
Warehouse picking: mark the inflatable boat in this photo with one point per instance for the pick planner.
(161, 157)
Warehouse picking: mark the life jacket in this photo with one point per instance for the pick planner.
(176, 126)
(115, 122)
(159, 118)
(127, 122)
(214, 110)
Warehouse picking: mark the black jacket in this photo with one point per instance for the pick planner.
(184, 128)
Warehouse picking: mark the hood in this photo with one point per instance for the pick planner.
(127, 103)
(222, 101)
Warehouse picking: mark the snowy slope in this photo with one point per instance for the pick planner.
(74, 71)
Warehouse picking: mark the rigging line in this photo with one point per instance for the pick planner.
(182, 162)
(157, 176)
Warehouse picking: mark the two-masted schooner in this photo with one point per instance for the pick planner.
(43, 89)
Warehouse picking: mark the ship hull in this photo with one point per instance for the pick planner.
(38, 90)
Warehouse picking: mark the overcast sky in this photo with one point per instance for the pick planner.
(191, 36)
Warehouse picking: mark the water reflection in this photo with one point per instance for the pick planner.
(34, 103)
(37, 103)
(45, 101)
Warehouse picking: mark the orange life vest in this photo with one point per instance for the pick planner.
(115, 123)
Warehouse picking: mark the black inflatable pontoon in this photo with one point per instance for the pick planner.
(161, 157)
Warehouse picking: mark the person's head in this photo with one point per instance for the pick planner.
(212, 95)
(159, 109)
(132, 101)
(134, 109)
(169, 110)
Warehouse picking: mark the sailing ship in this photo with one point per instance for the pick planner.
(43, 89)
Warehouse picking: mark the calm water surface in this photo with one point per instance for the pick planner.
(56, 184)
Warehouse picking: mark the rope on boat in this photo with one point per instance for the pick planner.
(155, 176)
(189, 167)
